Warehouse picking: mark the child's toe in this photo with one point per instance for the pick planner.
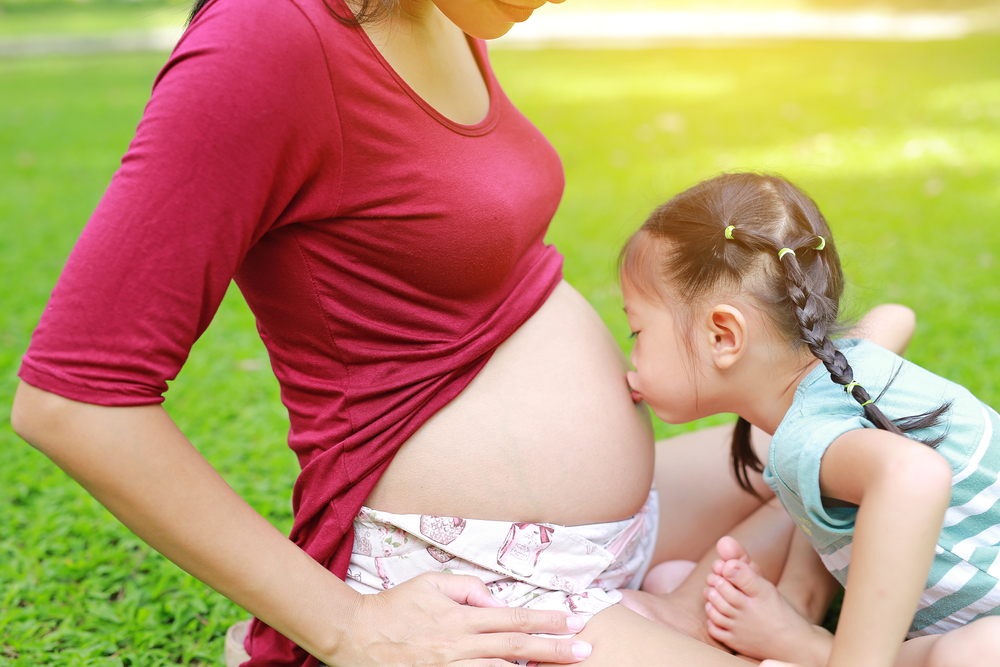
(718, 619)
(731, 595)
(742, 576)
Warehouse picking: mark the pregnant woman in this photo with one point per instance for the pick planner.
(357, 169)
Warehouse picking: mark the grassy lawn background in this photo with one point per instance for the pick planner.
(897, 142)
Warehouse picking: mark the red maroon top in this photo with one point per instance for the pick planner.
(385, 250)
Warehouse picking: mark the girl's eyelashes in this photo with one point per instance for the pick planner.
(633, 335)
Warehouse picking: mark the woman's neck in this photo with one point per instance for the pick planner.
(409, 21)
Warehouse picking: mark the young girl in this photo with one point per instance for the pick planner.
(732, 292)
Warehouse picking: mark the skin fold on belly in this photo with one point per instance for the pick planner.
(547, 432)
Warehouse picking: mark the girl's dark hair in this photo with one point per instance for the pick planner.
(366, 11)
(729, 234)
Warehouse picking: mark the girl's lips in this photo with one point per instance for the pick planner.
(636, 396)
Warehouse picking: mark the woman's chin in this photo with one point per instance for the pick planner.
(490, 32)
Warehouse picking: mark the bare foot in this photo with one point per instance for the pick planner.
(747, 614)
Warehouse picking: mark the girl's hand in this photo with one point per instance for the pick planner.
(447, 619)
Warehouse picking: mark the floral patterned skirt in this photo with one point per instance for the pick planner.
(534, 565)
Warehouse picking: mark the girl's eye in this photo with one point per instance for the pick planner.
(633, 335)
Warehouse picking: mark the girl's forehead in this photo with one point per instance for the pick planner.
(640, 303)
(633, 295)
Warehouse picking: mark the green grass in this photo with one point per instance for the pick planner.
(40, 17)
(76, 588)
(897, 142)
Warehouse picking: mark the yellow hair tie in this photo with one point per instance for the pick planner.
(822, 243)
(729, 232)
(870, 400)
(852, 385)
(783, 252)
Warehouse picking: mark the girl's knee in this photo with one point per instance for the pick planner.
(974, 645)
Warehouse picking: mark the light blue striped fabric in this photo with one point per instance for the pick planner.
(964, 581)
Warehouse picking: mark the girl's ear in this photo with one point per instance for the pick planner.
(728, 335)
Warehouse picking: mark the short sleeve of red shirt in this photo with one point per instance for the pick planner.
(215, 161)
(385, 250)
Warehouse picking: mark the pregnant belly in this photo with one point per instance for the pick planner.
(547, 432)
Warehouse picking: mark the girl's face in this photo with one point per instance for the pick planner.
(665, 374)
(488, 19)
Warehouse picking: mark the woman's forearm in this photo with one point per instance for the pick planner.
(139, 465)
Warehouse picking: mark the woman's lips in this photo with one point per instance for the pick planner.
(513, 12)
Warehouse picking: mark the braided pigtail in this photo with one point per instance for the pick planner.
(812, 312)
(742, 455)
(813, 286)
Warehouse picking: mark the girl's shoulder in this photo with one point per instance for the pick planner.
(822, 410)
(884, 374)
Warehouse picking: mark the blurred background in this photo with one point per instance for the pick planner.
(887, 113)
(29, 17)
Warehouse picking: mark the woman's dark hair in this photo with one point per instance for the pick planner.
(366, 11)
(730, 234)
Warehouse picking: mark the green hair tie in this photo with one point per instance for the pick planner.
(783, 252)
(822, 243)
(852, 385)
(870, 400)
(729, 232)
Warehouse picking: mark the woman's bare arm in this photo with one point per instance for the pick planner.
(139, 465)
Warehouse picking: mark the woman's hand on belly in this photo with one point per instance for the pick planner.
(137, 463)
(433, 619)
(547, 432)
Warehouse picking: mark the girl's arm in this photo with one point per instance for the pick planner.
(902, 489)
(139, 465)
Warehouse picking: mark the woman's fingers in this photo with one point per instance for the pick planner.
(464, 589)
(517, 646)
(446, 619)
(529, 621)
(468, 590)
(509, 632)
